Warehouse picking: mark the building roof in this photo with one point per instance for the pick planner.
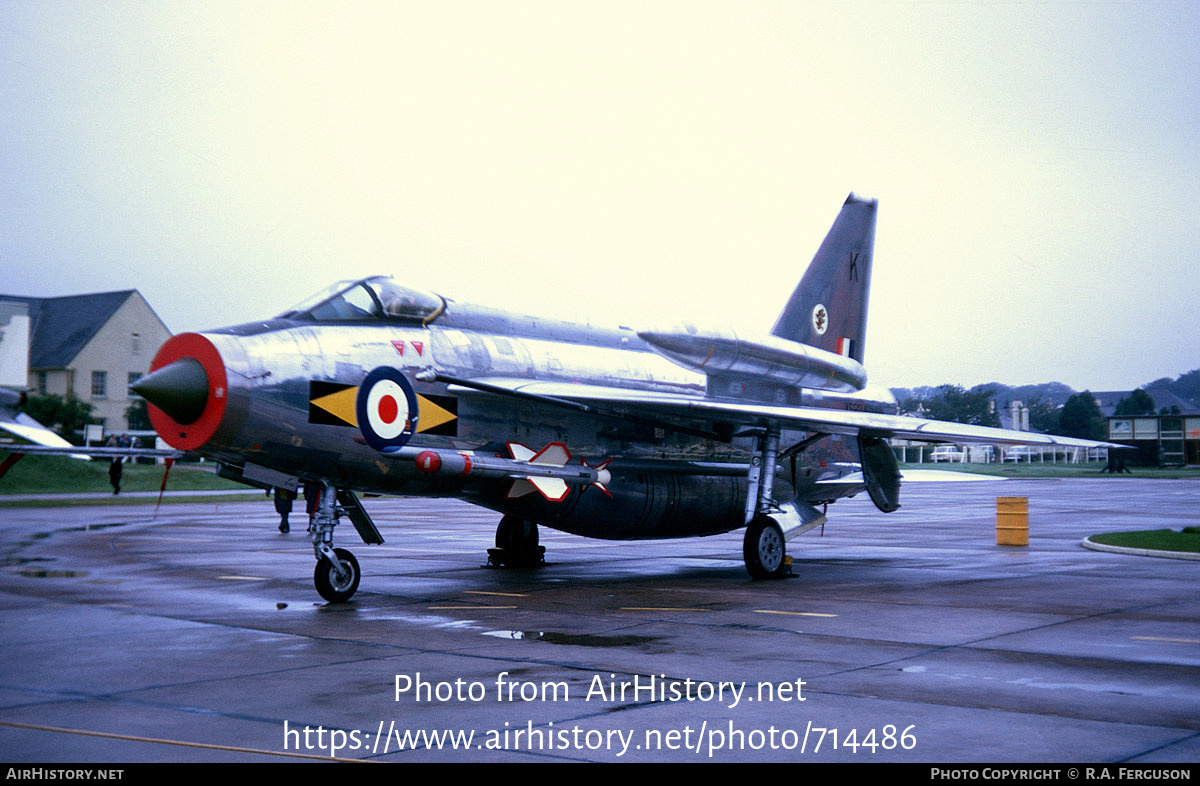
(62, 326)
(1163, 399)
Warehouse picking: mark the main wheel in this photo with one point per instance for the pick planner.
(765, 549)
(326, 579)
(516, 534)
(518, 539)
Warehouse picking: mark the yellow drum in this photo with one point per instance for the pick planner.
(1012, 521)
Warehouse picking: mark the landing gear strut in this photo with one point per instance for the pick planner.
(764, 548)
(516, 544)
(337, 574)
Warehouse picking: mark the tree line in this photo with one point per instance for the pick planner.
(1078, 416)
(68, 416)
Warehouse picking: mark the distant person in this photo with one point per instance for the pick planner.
(1116, 465)
(114, 466)
(283, 506)
(114, 474)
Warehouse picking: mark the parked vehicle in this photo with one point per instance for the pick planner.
(948, 453)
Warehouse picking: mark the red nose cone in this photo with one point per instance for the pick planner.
(199, 399)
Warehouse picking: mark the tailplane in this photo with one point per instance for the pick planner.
(828, 310)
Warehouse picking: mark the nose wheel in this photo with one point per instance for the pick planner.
(337, 584)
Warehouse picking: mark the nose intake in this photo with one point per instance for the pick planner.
(179, 389)
(186, 390)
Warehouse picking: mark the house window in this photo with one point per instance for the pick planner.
(99, 384)
(41, 383)
(134, 376)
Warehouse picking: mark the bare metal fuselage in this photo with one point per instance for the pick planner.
(664, 483)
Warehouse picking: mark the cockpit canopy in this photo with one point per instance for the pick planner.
(379, 298)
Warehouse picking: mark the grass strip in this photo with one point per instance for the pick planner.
(1187, 540)
(64, 475)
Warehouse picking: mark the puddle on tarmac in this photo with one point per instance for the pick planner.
(549, 637)
(42, 573)
(576, 639)
(90, 527)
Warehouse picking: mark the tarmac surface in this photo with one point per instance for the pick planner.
(196, 635)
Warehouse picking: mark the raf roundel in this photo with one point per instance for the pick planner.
(386, 408)
(820, 319)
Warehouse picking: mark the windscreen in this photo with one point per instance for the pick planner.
(379, 298)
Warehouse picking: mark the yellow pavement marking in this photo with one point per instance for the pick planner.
(181, 743)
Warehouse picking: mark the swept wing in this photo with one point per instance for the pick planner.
(692, 413)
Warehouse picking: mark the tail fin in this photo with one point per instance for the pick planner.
(828, 310)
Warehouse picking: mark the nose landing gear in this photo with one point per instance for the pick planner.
(337, 581)
(337, 574)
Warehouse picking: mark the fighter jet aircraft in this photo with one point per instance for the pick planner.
(684, 431)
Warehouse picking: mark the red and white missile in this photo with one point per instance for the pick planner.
(546, 471)
(789, 363)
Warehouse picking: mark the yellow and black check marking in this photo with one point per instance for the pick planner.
(332, 404)
(438, 415)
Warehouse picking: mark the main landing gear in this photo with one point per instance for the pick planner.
(764, 548)
(337, 574)
(516, 544)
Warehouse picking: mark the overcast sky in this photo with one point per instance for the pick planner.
(1037, 165)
